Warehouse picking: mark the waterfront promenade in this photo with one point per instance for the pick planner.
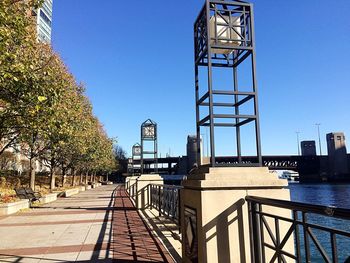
(99, 225)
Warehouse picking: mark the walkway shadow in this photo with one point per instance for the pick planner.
(132, 239)
(98, 246)
(159, 230)
(118, 209)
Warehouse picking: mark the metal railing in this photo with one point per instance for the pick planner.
(166, 200)
(302, 228)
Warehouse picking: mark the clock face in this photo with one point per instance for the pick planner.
(148, 131)
(137, 150)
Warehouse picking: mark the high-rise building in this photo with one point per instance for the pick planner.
(308, 148)
(44, 21)
(337, 155)
(192, 152)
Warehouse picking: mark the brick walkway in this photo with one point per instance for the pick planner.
(132, 240)
(99, 225)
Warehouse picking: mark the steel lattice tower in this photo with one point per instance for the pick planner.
(224, 39)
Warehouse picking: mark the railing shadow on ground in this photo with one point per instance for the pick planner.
(164, 200)
(98, 246)
(134, 229)
(159, 230)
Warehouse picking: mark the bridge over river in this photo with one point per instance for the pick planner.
(171, 165)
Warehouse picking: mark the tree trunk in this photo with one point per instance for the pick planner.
(73, 176)
(81, 177)
(63, 176)
(86, 177)
(52, 177)
(52, 180)
(32, 167)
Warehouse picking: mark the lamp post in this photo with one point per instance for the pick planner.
(224, 37)
(297, 132)
(319, 137)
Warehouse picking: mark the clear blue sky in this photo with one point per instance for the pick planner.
(136, 59)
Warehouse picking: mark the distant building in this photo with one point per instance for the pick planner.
(337, 155)
(308, 148)
(44, 21)
(191, 151)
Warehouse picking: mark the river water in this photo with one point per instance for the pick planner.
(337, 195)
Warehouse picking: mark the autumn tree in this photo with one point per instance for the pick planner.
(42, 107)
(17, 41)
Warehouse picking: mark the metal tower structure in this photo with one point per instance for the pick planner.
(149, 134)
(136, 158)
(224, 41)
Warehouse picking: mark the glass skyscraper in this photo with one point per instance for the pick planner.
(44, 21)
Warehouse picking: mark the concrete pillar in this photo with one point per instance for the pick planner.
(132, 187)
(215, 222)
(143, 199)
(127, 182)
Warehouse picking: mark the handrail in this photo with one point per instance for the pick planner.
(169, 186)
(166, 200)
(331, 211)
(299, 226)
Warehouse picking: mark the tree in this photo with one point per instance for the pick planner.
(38, 120)
(6, 160)
(17, 39)
(121, 159)
(41, 106)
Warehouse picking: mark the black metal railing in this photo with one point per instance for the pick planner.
(320, 233)
(166, 200)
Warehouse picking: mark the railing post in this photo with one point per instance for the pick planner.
(306, 238)
(297, 236)
(159, 202)
(152, 197)
(149, 190)
(334, 248)
(255, 233)
(136, 194)
(172, 204)
(179, 209)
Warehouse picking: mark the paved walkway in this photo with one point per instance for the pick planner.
(99, 225)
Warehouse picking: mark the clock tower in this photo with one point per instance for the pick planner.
(136, 159)
(149, 148)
